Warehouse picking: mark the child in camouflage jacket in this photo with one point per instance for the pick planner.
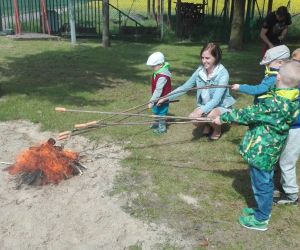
(269, 121)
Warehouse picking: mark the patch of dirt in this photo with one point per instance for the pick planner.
(77, 213)
(189, 199)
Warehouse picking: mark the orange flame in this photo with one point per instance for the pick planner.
(54, 163)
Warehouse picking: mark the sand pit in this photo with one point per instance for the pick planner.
(78, 213)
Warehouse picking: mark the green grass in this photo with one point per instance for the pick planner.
(37, 76)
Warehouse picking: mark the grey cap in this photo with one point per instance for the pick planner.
(276, 53)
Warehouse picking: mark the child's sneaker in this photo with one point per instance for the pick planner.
(251, 223)
(246, 211)
(154, 125)
(285, 200)
(162, 128)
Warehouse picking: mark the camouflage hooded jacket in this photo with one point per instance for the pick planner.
(269, 121)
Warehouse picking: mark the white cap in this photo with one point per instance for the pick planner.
(276, 53)
(155, 59)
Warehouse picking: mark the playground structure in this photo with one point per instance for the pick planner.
(132, 18)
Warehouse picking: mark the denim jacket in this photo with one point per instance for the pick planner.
(219, 97)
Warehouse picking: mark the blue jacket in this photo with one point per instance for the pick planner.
(219, 97)
(268, 82)
(258, 89)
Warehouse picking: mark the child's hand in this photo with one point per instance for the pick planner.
(217, 120)
(235, 87)
(150, 105)
(161, 101)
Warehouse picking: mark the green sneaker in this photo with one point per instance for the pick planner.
(246, 211)
(251, 223)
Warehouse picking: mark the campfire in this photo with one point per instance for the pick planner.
(45, 164)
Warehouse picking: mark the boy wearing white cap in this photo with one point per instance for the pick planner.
(161, 86)
(272, 60)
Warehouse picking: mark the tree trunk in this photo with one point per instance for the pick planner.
(236, 34)
(213, 8)
(158, 11)
(226, 5)
(148, 7)
(178, 19)
(105, 19)
(153, 9)
(162, 10)
(169, 12)
(270, 5)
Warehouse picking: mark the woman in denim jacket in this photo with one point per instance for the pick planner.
(210, 102)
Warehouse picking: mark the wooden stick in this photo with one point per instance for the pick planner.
(6, 163)
(126, 114)
(61, 109)
(85, 125)
(104, 125)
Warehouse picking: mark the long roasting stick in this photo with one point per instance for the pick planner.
(168, 95)
(144, 104)
(61, 109)
(69, 133)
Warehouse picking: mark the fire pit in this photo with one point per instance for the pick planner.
(45, 164)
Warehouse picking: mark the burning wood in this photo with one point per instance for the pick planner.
(45, 164)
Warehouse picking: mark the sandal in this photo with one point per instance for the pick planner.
(206, 130)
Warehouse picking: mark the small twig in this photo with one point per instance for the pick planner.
(6, 163)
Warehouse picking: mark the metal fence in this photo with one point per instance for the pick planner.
(132, 17)
(87, 16)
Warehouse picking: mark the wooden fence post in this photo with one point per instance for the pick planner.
(71, 8)
(105, 19)
(1, 27)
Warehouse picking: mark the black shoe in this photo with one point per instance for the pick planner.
(285, 200)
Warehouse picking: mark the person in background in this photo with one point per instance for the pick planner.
(275, 28)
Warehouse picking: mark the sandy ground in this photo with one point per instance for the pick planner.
(78, 213)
